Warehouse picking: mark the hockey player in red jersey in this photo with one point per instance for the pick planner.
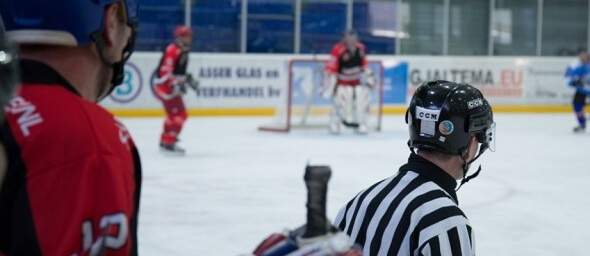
(342, 83)
(73, 177)
(171, 83)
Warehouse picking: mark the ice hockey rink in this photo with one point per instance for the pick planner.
(236, 185)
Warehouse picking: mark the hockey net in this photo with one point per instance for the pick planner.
(302, 106)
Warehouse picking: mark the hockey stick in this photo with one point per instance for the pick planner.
(349, 124)
(316, 180)
(317, 237)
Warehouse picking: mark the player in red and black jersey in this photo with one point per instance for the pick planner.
(342, 82)
(171, 82)
(73, 176)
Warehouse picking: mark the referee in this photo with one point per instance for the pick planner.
(415, 211)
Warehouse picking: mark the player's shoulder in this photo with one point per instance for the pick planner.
(172, 48)
(574, 64)
(362, 49)
(361, 46)
(338, 48)
(50, 114)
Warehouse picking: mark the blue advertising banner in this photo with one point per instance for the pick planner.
(395, 82)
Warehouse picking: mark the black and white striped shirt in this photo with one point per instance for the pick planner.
(414, 212)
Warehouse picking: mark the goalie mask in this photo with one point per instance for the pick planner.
(350, 39)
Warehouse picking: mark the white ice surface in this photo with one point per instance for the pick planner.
(237, 185)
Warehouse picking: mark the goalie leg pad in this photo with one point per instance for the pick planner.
(343, 104)
(362, 104)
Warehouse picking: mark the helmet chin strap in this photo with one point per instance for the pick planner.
(466, 164)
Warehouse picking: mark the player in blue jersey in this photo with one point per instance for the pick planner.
(578, 77)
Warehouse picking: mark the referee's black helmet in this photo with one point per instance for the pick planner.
(443, 115)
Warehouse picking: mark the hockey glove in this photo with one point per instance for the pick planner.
(178, 89)
(334, 243)
(328, 86)
(577, 82)
(316, 238)
(193, 83)
(370, 78)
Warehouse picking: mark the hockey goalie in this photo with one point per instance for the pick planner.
(348, 81)
(318, 237)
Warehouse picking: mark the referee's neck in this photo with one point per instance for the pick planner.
(448, 163)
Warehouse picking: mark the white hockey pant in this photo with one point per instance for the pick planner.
(352, 104)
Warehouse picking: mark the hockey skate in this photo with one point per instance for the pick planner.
(171, 149)
(579, 129)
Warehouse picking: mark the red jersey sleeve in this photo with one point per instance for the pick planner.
(168, 63)
(333, 63)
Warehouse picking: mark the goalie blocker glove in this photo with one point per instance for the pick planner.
(328, 86)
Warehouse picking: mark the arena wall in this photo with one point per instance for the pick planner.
(252, 84)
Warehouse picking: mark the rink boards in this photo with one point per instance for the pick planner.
(253, 84)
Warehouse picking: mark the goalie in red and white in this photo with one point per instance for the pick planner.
(344, 75)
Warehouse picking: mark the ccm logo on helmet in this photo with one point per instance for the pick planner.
(474, 103)
(427, 114)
